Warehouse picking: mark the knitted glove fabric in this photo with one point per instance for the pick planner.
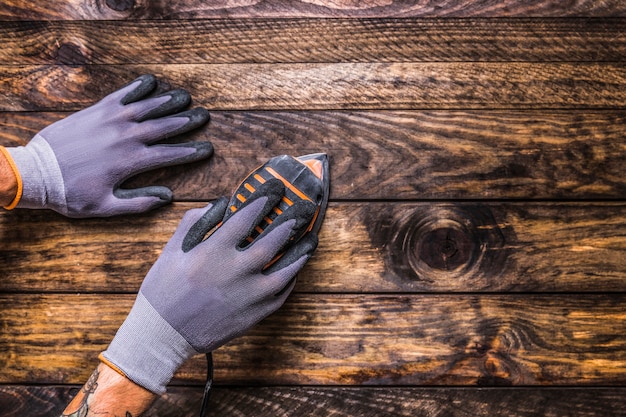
(201, 293)
(76, 165)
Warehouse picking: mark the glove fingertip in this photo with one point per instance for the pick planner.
(208, 221)
(203, 150)
(162, 193)
(147, 85)
(149, 203)
(139, 200)
(197, 117)
(309, 244)
(179, 98)
(304, 248)
(301, 213)
(176, 101)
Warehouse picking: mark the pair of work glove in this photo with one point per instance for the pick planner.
(208, 286)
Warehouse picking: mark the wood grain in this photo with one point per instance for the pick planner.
(17, 401)
(349, 340)
(472, 259)
(331, 86)
(312, 41)
(364, 248)
(193, 9)
(403, 154)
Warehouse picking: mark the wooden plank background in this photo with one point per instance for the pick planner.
(472, 262)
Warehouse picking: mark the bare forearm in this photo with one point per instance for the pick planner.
(8, 181)
(108, 393)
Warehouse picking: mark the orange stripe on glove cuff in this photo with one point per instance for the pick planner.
(18, 178)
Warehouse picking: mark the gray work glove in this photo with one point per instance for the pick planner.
(202, 293)
(76, 165)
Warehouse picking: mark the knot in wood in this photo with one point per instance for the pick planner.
(442, 241)
(70, 54)
(120, 5)
(445, 248)
(461, 242)
(500, 369)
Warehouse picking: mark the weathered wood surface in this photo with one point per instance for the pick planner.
(312, 41)
(190, 9)
(476, 231)
(342, 339)
(364, 248)
(345, 402)
(406, 85)
(404, 154)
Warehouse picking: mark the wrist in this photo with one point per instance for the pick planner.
(108, 393)
(11, 184)
(146, 349)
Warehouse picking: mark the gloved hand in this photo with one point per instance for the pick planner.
(76, 165)
(202, 293)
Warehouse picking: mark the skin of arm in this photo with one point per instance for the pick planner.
(8, 182)
(107, 393)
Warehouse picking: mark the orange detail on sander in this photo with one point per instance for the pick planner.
(305, 177)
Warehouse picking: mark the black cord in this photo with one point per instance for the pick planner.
(207, 386)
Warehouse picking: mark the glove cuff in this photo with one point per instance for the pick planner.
(42, 181)
(146, 349)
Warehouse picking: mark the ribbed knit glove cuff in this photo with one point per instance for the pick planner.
(146, 349)
(41, 176)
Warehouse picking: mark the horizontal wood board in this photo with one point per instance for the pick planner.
(229, 41)
(346, 402)
(475, 236)
(192, 9)
(328, 86)
(349, 340)
(364, 247)
(391, 155)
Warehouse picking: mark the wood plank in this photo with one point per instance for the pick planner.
(36, 401)
(312, 41)
(331, 86)
(322, 339)
(364, 247)
(411, 154)
(192, 9)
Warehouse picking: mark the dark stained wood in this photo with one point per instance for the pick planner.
(34, 401)
(472, 260)
(324, 339)
(263, 41)
(331, 86)
(191, 9)
(364, 248)
(403, 154)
